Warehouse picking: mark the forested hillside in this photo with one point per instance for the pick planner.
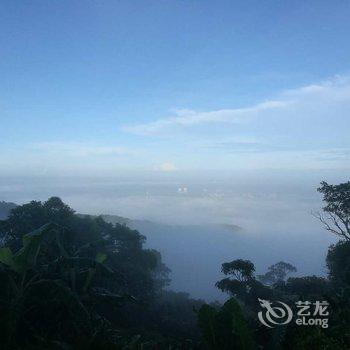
(77, 282)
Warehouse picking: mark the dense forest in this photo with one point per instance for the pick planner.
(71, 281)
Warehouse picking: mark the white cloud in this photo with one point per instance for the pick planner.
(76, 149)
(67, 157)
(189, 118)
(335, 89)
(305, 128)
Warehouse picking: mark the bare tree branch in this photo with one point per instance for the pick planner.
(345, 234)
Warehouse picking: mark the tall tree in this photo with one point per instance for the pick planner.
(277, 273)
(336, 212)
(240, 273)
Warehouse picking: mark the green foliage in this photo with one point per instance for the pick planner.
(337, 198)
(338, 263)
(242, 284)
(26, 257)
(225, 328)
(137, 271)
(242, 270)
(306, 287)
(207, 321)
(39, 307)
(241, 274)
(68, 277)
(315, 338)
(277, 338)
(6, 256)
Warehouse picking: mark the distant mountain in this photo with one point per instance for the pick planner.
(115, 219)
(5, 209)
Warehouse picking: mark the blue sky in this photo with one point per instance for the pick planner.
(100, 87)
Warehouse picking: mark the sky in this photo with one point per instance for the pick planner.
(182, 112)
(106, 87)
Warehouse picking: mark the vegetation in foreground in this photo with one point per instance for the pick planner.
(76, 282)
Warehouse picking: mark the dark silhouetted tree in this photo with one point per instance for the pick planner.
(336, 212)
(277, 273)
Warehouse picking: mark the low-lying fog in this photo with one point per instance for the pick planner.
(198, 222)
